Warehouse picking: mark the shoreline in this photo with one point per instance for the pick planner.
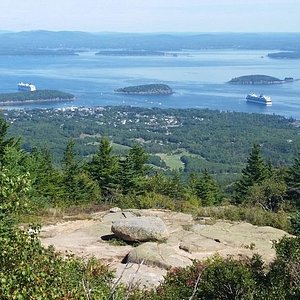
(7, 103)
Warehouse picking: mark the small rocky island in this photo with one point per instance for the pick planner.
(259, 79)
(34, 97)
(146, 89)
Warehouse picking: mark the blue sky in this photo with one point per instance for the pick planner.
(152, 15)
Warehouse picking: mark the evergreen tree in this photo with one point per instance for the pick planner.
(103, 167)
(46, 180)
(79, 187)
(293, 180)
(4, 142)
(133, 170)
(254, 172)
(207, 189)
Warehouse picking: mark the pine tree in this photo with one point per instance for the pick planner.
(79, 187)
(133, 170)
(254, 172)
(293, 179)
(46, 180)
(103, 167)
(207, 189)
(5, 142)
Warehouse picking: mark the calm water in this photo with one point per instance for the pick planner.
(197, 78)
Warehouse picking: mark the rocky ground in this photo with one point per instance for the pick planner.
(146, 263)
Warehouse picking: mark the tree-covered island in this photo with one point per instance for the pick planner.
(259, 79)
(285, 55)
(33, 97)
(135, 53)
(146, 89)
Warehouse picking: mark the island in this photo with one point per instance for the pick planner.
(146, 89)
(135, 53)
(285, 55)
(260, 79)
(34, 97)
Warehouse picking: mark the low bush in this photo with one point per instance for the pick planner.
(253, 215)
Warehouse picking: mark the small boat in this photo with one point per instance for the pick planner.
(261, 99)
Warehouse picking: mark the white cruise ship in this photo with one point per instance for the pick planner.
(261, 99)
(26, 87)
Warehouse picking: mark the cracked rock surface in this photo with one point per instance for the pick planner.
(147, 263)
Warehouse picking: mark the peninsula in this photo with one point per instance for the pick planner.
(34, 97)
(260, 80)
(147, 89)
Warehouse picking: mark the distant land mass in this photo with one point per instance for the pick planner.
(134, 53)
(260, 79)
(50, 52)
(285, 55)
(42, 39)
(146, 89)
(34, 97)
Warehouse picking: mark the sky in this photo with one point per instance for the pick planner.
(151, 15)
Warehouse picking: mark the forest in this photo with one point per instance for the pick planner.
(191, 139)
(267, 187)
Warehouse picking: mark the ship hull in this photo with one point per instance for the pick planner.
(264, 100)
(259, 102)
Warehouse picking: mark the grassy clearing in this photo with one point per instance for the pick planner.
(172, 160)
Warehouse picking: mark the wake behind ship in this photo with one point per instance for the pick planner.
(261, 99)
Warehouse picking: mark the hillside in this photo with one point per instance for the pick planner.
(192, 138)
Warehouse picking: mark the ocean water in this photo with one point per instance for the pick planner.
(198, 79)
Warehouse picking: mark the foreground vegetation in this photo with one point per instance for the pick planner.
(31, 183)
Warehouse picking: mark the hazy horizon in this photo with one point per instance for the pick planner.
(136, 16)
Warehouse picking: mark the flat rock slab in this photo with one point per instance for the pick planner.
(140, 229)
(158, 255)
(187, 240)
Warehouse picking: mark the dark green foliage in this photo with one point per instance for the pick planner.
(269, 193)
(293, 180)
(132, 170)
(46, 180)
(4, 141)
(104, 167)
(35, 96)
(152, 89)
(29, 271)
(227, 279)
(78, 186)
(254, 172)
(284, 275)
(207, 190)
(295, 223)
(217, 141)
(255, 79)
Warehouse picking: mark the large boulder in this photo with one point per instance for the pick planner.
(141, 229)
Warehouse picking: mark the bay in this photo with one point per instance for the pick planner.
(198, 79)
